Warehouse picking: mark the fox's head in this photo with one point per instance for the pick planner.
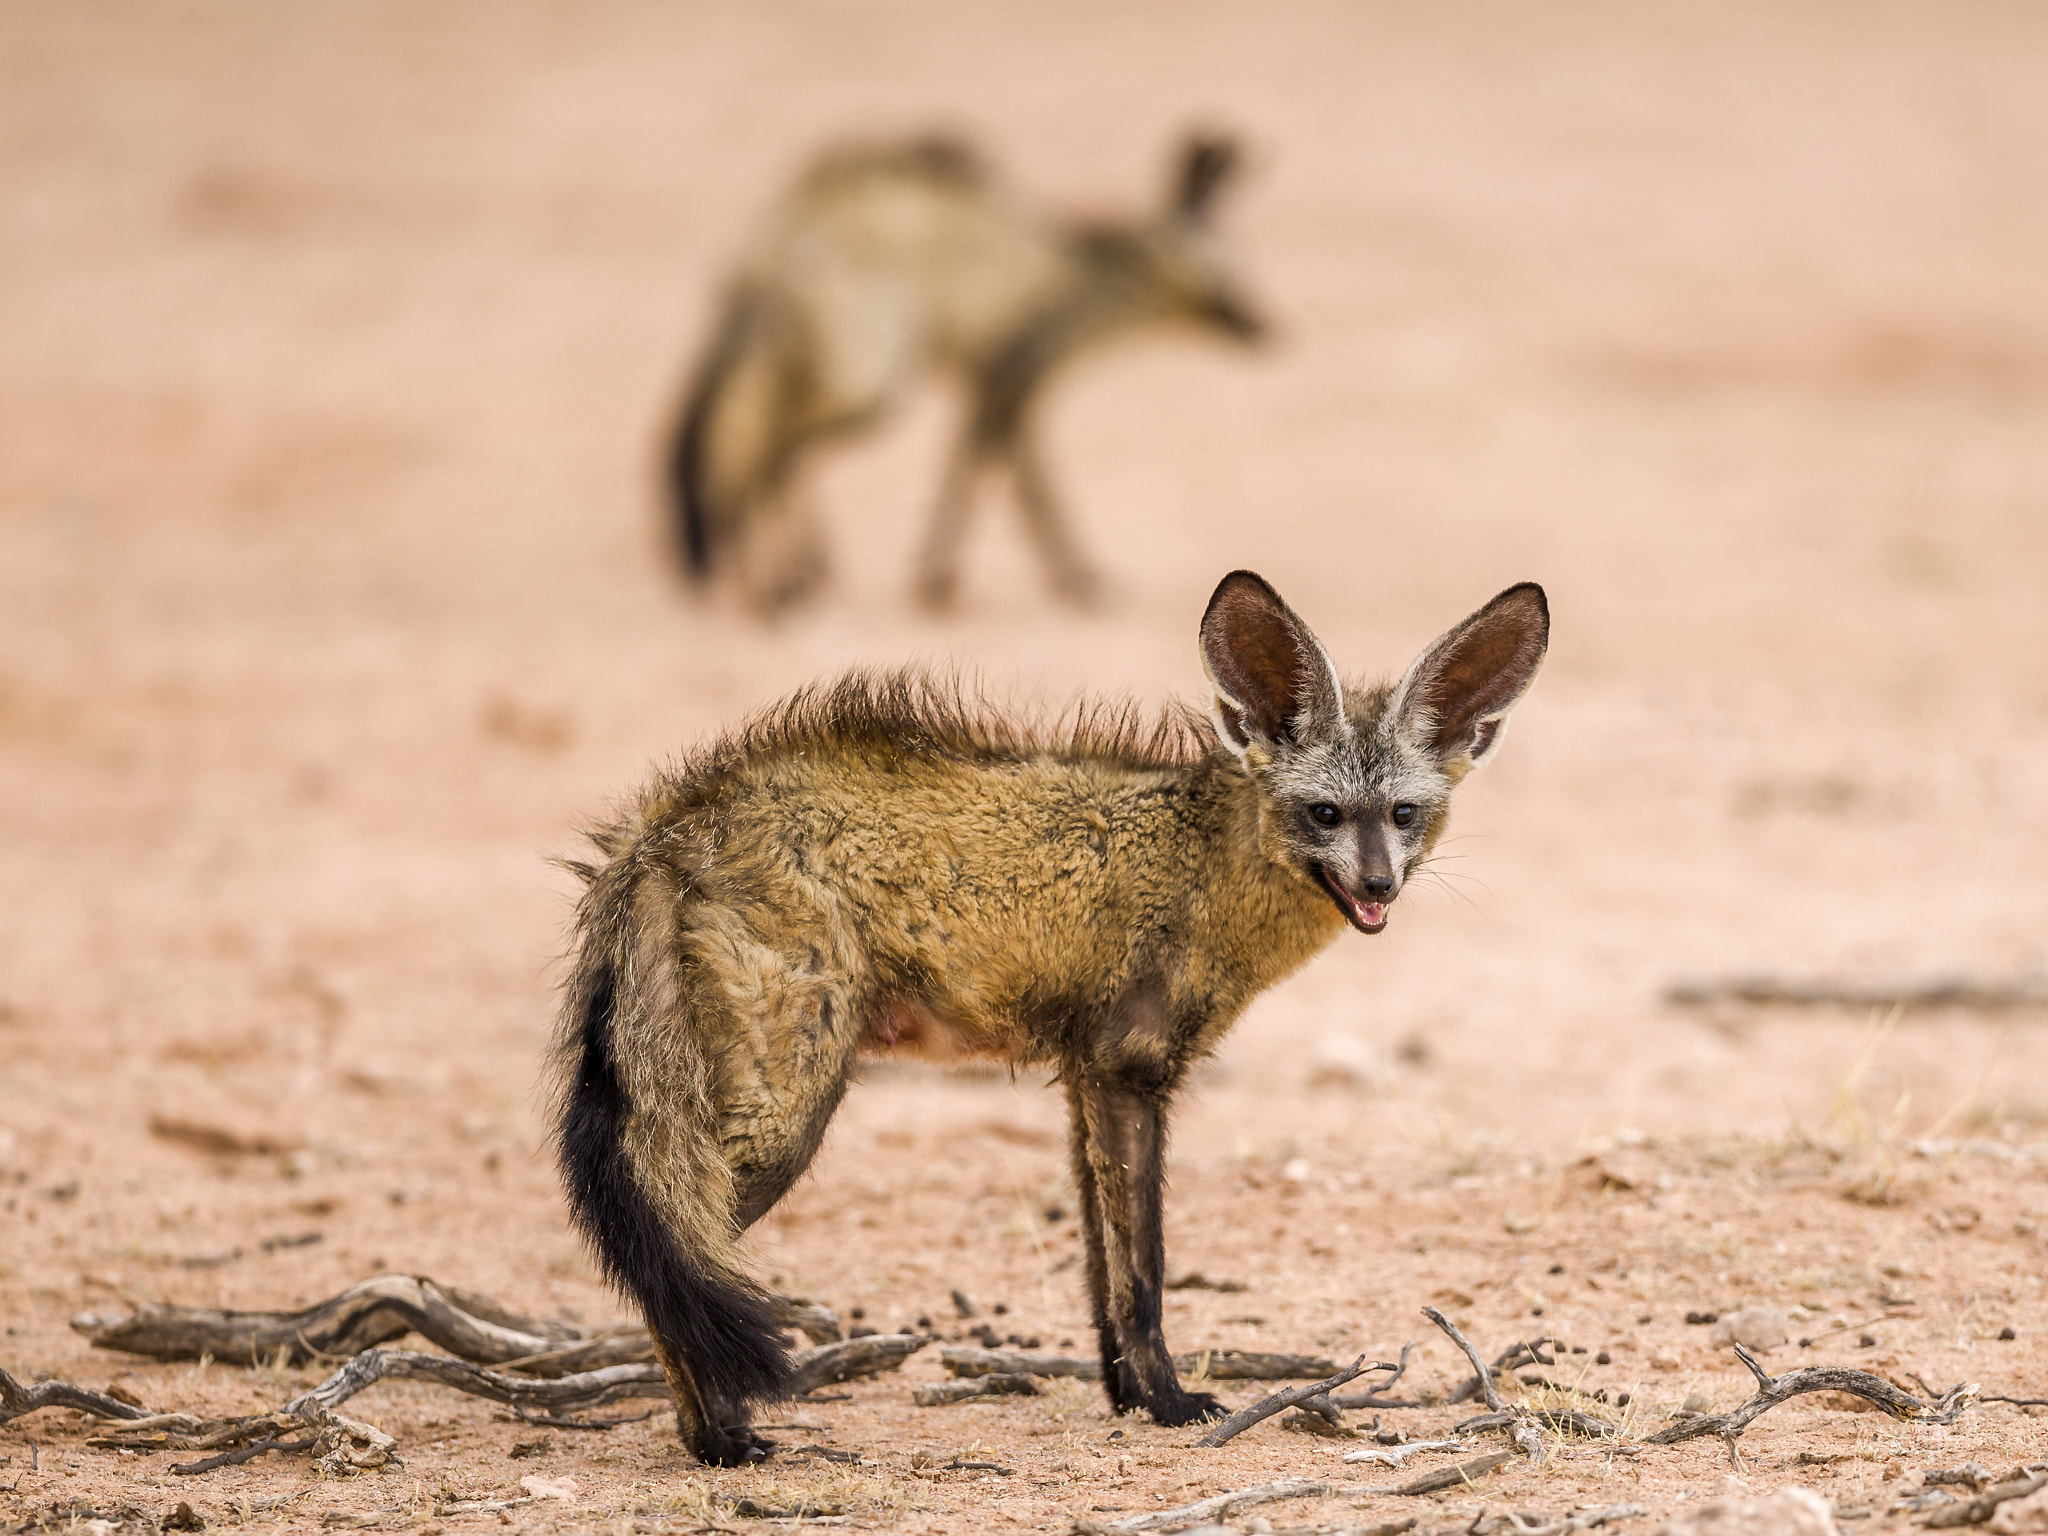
(1174, 265)
(1356, 782)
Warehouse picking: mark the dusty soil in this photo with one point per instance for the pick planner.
(334, 345)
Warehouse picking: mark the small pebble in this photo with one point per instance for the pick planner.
(1647, 1317)
(1557, 1269)
(1867, 1341)
(2008, 1333)
(1000, 1308)
(1603, 1358)
(858, 1313)
(1753, 1328)
(1699, 1318)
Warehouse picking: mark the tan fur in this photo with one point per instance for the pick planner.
(886, 261)
(880, 864)
(842, 872)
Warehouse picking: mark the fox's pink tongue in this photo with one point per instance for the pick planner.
(1373, 913)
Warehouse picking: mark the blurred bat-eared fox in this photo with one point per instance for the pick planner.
(889, 261)
(879, 864)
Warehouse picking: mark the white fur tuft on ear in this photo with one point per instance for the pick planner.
(1228, 716)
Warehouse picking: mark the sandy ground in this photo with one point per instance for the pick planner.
(334, 346)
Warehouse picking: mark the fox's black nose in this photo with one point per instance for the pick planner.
(1378, 887)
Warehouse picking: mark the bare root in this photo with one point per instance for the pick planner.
(16, 1400)
(384, 1308)
(1773, 1390)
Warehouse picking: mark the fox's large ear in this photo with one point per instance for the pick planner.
(1273, 681)
(1456, 697)
(1206, 162)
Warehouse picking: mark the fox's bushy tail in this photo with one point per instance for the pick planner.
(700, 525)
(722, 1325)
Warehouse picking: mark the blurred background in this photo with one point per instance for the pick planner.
(338, 344)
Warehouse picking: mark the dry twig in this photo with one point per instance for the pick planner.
(811, 1369)
(1374, 1397)
(343, 1446)
(1216, 1364)
(963, 1360)
(1976, 1511)
(1451, 1477)
(368, 1313)
(1397, 1456)
(1204, 1511)
(1265, 1408)
(16, 1400)
(382, 1308)
(937, 1394)
(1773, 1390)
(1485, 1376)
(1778, 991)
(852, 1359)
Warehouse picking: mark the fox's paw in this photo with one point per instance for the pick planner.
(734, 1446)
(1185, 1408)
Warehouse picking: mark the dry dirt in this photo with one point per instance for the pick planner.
(334, 345)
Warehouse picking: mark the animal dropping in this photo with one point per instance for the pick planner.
(888, 261)
(878, 864)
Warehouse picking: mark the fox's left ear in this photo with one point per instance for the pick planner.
(1456, 697)
(1206, 162)
(1274, 683)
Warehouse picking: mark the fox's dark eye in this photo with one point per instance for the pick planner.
(1325, 815)
(1403, 814)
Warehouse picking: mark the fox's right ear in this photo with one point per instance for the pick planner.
(1274, 683)
(1206, 162)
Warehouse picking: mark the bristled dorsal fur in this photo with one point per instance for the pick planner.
(907, 712)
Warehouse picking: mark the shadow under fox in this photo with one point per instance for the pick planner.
(879, 865)
(889, 260)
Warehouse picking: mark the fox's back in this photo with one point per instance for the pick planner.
(976, 890)
(910, 247)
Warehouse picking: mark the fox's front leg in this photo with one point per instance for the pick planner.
(1119, 1152)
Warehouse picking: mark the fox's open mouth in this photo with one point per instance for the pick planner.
(1365, 916)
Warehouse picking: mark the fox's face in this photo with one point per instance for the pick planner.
(1182, 265)
(1356, 783)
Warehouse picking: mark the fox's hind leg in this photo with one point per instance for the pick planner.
(698, 1089)
(784, 559)
(1073, 578)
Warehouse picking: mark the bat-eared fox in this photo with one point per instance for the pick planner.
(888, 261)
(879, 864)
